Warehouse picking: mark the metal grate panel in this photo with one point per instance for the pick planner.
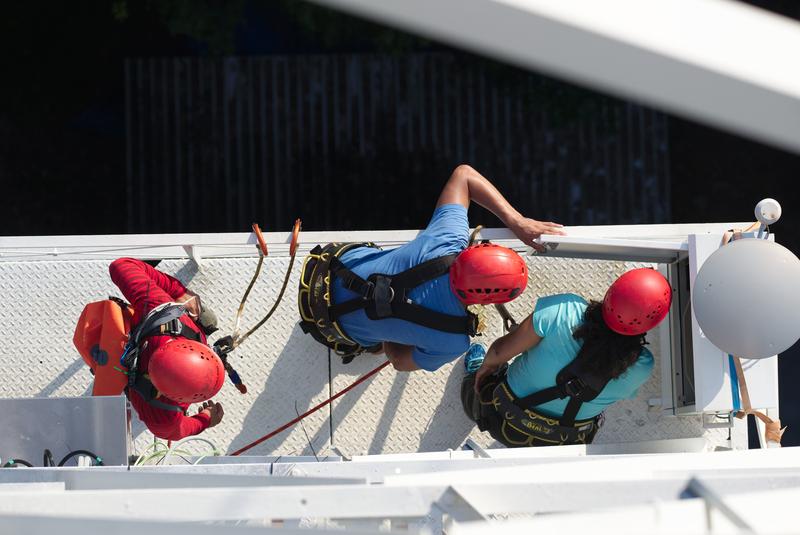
(393, 412)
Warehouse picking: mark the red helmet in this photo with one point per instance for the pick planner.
(486, 273)
(637, 301)
(186, 371)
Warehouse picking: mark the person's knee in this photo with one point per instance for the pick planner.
(400, 364)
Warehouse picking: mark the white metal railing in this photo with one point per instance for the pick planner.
(591, 240)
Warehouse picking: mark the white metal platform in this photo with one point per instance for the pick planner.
(47, 280)
(452, 492)
(415, 476)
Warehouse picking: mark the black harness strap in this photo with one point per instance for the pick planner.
(386, 296)
(350, 280)
(572, 382)
(435, 320)
(178, 328)
(158, 322)
(380, 296)
(145, 388)
(314, 299)
(337, 311)
(428, 270)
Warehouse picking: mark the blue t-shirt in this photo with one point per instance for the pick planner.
(447, 233)
(554, 319)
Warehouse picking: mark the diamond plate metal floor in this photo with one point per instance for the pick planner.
(287, 372)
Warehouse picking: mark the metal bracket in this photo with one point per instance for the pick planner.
(696, 489)
(474, 446)
(194, 254)
(457, 508)
(717, 420)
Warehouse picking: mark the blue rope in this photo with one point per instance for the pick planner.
(737, 404)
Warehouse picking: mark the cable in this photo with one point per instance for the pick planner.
(47, 458)
(303, 426)
(75, 453)
(262, 253)
(173, 449)
(155, 445)
(13, 463)
(292, 253)
(311, 411)
(162, 452)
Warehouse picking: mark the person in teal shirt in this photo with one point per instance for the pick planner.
(554, 320)
(561, 328)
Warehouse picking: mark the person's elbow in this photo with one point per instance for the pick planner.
(462, 170)
(456, 189)
(404, 364)
(115, 267)
(173, 433)
(461, 174)
(118, 266)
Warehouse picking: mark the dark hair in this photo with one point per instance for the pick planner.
(606, 352)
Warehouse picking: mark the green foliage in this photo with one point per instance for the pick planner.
(209, 21)
(340, 32)
(119, 10)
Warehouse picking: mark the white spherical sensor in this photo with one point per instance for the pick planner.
(746, 298)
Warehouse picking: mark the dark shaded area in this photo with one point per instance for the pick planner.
(62, 117)
(62, 128)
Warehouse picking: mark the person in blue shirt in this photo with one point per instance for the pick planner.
(573, 360)
(410, 345)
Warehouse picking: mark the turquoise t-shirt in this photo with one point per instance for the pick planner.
(554, 319)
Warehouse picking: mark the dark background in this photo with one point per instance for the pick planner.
(62, 122)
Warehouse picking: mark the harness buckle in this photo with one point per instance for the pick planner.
(574, 387)
(369, 291)
(473, 324)
(382, 295)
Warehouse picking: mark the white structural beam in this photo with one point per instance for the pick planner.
(482, 497)
(39, 525)
(229, 503)
(716, 61)
(96, 478)
(769, 511)
(646, 239)
(614, 468)
(49, 485)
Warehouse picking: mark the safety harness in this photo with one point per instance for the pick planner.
(161, 321)
(381, 296)
(519, 424)
(574, 382)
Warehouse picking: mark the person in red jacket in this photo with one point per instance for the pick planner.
(145, 288)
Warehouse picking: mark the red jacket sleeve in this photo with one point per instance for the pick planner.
(187, 426)
(144, 286)
(169, 425)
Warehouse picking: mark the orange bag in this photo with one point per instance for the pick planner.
(100, 338)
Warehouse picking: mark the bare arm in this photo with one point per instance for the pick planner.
(400, 355)
(507, 347)
(466, 184)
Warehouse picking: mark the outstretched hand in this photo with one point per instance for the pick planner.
(528, 230)
(214, 411)
(192, 302)
(483, 372)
